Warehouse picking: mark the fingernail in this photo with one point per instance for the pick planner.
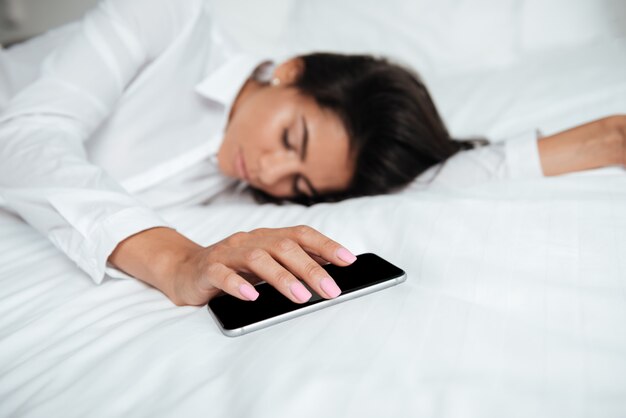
(329, 286)
(346, 255)
(248, 291)
(300, 292)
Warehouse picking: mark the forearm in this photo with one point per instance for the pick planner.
(593, 145)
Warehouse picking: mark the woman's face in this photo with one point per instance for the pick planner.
(283, 143)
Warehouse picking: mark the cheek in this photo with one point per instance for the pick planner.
(257, 129)
(242, 132)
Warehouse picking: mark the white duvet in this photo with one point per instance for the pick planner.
(515, 303)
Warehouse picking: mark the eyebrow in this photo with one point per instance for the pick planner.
(305, 143)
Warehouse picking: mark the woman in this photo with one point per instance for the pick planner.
(146, 105)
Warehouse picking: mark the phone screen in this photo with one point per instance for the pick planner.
(368, 270)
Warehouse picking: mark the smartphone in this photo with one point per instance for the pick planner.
(367, 274)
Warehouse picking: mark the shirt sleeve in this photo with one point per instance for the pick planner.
(522, 157)
(45, 175)
(516, 157)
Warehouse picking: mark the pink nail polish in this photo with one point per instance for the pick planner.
(329, 286)
(300, 292)
(248, 291)
(346, 255)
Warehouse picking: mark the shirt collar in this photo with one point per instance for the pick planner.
(224, 83)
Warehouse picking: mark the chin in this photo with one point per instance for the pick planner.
(223, 166)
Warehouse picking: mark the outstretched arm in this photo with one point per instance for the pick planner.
(596, 144)
(45, 174)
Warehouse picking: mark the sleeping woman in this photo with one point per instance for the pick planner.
(147, 105)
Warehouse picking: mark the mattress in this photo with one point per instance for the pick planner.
(514, 306)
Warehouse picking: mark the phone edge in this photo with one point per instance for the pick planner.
(247, 329)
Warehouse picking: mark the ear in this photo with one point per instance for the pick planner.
(289, 71)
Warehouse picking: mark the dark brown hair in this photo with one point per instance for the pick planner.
(394, 128)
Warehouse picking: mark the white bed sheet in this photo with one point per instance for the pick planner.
(514, 306)
(515, 303)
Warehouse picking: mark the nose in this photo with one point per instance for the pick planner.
(275, 166)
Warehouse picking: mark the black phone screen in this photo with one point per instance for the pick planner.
(368, 269)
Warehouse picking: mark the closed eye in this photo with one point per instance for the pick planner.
(296, 179)
(286, 143)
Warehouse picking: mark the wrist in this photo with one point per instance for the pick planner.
(605, 150)
(154, 256)
(610, 145)
(593, 145)
(617, 126)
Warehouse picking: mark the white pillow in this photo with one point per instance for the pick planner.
(548, 24)
(256, 26)
(548, 90)
(445, 36)
(451, 36)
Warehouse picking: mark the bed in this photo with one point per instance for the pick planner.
(515, 303)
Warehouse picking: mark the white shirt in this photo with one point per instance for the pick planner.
(127, 116)
(517, 157)
(136, 97)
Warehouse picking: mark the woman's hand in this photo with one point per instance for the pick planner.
(190, 274)
(596, 144)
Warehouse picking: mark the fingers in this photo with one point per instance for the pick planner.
(261, 263)
(219, 276)
(280, 257)
(318, 260)
(316, 243)
(287, 259)
(313, 242)
(291, 255)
